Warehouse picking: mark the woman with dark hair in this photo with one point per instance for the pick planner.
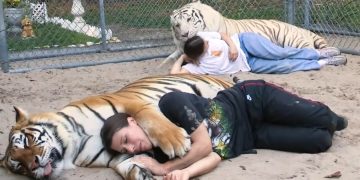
(252, 114)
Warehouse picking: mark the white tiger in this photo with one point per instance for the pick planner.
(194, 17)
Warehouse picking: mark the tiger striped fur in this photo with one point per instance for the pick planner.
(194, 17)
(42, 145)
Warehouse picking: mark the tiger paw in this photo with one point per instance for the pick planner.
(173, 141)
(133, 171)
(140, 173)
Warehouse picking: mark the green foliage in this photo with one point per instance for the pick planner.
(156, 15)
(340, 14)
(333, 15)
(134, 14)
(48, 35)
(12, 3)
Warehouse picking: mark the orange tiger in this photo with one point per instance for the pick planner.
(42, 145)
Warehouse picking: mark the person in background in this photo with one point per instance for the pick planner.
(216, 54)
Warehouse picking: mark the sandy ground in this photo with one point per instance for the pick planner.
(338, 87)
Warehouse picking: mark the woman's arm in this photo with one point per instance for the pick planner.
(200, 167)
(200, 148)
(177, 69)
(233, 52)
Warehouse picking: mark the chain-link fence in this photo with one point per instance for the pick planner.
(337, 20)
(140, 29)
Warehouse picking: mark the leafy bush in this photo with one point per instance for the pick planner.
(12, 3)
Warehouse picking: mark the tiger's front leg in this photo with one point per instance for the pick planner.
(173, 140)
(132, 171)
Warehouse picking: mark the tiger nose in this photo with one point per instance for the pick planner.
(185, 35)
(35, 163)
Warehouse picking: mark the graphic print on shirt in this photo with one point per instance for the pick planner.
(216, 53)
(218, 129)
(248, 97)
(192, 118)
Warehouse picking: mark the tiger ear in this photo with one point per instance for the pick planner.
(21, 115)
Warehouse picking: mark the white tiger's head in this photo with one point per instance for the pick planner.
(34, 149)
(186, 22)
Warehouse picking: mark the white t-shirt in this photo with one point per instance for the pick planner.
(215, 60)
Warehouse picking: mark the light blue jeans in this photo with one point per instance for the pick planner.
(264, 56)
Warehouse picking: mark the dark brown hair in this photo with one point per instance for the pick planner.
(194, 47)
(110, 127)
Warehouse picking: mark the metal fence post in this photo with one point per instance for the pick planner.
(290, 9)
(307, 13)
(4, 57)
(102, 25)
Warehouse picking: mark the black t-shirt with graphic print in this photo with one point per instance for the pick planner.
(225, 117)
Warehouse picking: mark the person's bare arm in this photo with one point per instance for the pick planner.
(200, 148)
(177, 69)
(200, 167)
(233, 52)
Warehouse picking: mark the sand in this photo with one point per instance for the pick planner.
(338, 87)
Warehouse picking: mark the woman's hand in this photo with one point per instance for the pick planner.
(151, 164)
(177, 67)
(177, 175)
(233, 53)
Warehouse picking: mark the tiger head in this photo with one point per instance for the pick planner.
(186, 22)
(192, 18)
(34, 149)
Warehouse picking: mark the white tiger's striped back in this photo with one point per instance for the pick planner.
(281, 33)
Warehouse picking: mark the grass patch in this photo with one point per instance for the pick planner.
(340, 15)
(344, 14)
(259, 9)
(256, 13)
(134, 14)
(47, 35)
